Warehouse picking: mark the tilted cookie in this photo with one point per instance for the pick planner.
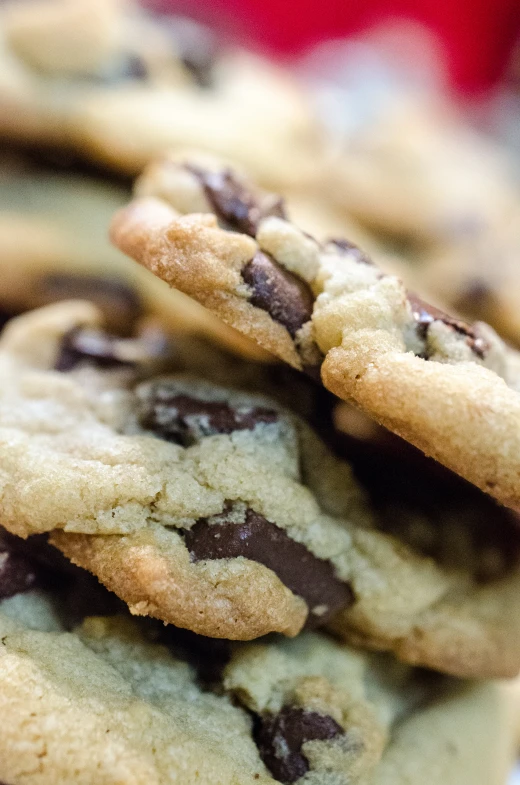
(74, 74)
(450, 388)
(222, 512)
(307, 711)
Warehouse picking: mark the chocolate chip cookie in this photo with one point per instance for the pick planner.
(223, 512)
(448, 387)
(112, 83)
(155, 703)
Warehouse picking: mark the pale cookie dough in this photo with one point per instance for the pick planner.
(116, 85)
(101, 706)
(450, 388)
(222, 512)
(315, 709)
(115, 700)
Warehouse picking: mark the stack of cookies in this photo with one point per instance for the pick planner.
(259, 501)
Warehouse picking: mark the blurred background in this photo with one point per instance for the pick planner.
(475, 38)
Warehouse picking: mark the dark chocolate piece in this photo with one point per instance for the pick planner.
(280, 738)
(119, 302)
(17, 574)
(200, 66)
(135, 68)
(351, 249)
(37, 564)
(4, 317)
(424, 314)
(195, 45)
(233, 204)
(260, 540)
(186, 420)
(287, 298)
(89, 346)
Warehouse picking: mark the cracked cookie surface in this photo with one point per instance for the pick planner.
(448, 387)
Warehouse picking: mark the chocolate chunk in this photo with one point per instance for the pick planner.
(90, 346)
(35, 563)
(135, 68)
(4, 317)
(119, 302)
(195, 45)
(260, 540)
(424, 314)
(200, 65)
(280, 738)
(347, 248)
(17, 574)
(287, 298)
(233, 204)
(130, 66)
(186, 420)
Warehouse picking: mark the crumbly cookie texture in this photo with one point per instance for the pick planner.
(450, 388)
(77, 75)
(156, 703)
(142, 717)
(222, 512)
(308, 710)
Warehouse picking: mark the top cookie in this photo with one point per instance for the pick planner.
(448, 387)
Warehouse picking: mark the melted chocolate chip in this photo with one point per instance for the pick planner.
(89, 346)
(280, 738)
(233, 204)
(424, 314)
(186, 420)
(119, 302)
(17, 574)
(287, 298)
(260, 540)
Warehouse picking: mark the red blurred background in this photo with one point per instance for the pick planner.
(478, 36)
